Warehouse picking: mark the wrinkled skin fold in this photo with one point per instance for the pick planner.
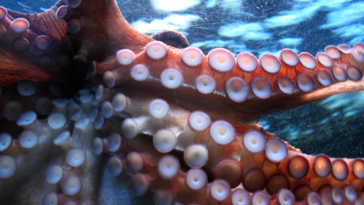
(94, 112)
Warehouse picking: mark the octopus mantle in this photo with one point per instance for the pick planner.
(87, 99)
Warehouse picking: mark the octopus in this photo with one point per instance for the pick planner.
(89, 104)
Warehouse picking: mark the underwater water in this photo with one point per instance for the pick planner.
(333, 126)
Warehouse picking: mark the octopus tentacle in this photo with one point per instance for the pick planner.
(184, 125)
(106, 34)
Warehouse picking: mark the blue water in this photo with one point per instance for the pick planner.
(334, 126)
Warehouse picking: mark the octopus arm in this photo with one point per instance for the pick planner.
(45, 23)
